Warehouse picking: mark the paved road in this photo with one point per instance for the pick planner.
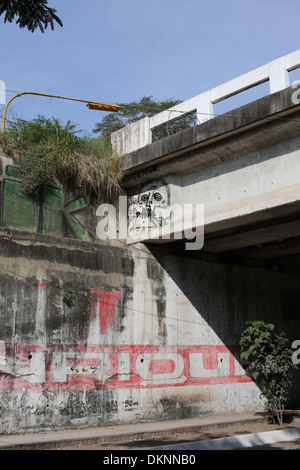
(215, 439)
(291, 445)
(150, 435)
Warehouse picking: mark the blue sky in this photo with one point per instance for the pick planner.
(121, 50)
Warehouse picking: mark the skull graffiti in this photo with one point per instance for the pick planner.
(150, 208)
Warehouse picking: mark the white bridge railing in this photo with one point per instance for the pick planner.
(139, 134)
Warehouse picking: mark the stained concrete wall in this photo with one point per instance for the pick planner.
(95, 332)
(101, 333)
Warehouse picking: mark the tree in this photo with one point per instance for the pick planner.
(269, 361)
(145, 107)
(31, 14)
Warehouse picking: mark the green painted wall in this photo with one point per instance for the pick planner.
(53, 215)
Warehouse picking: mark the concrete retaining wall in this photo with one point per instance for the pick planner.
(102, 333)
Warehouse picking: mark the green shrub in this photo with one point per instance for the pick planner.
(269, 360)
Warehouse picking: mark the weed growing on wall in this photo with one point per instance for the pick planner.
(48, 152)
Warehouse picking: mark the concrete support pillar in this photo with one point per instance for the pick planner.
(133, 137)
(2, 92)
(205, 108)
(279, 76)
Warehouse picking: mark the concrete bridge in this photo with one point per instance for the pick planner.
(242, 166)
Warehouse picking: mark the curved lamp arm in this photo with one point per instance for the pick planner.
(91, 104)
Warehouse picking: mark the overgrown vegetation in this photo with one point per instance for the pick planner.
(48, 152)
(269, 360)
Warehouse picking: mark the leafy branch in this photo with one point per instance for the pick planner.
(32, 14)
(145, 107)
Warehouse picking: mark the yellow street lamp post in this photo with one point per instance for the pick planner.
(90, 104)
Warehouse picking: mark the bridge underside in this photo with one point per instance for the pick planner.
(272, 244)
